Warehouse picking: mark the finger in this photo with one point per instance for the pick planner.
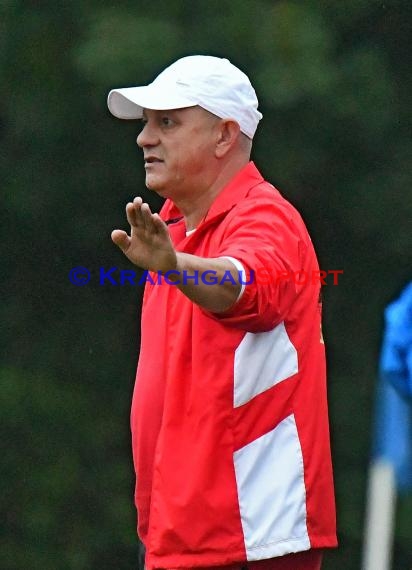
(137, 206)
(121, 239)
(147, 217)
(160, 226)
(132, 212)
(131, 215)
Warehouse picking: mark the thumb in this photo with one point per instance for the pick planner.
(121, 239)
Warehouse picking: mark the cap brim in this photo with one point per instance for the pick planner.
(129, 102)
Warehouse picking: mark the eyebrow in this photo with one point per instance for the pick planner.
(166, 111)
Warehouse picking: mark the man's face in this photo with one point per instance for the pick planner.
(178, 146)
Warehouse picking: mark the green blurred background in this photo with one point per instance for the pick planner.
(334, 88)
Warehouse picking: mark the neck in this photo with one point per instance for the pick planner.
(195, 207)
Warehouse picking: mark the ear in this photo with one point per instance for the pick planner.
(228, 134)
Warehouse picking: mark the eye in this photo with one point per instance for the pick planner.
(166, 121)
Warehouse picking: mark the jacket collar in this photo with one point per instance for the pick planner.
(231, 194)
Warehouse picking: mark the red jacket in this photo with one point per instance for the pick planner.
(229, 415)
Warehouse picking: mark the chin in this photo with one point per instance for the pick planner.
(156, 186)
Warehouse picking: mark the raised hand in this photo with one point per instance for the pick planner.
(149, 245)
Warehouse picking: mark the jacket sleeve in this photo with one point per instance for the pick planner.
(266, 237)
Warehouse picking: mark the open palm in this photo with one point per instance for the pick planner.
(149, 245)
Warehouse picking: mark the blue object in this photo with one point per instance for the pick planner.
(393, 425)
(396, 357)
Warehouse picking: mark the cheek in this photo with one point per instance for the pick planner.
(198, 155)
(189, 157)
(184, 161)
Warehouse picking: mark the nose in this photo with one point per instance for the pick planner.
(147, 136)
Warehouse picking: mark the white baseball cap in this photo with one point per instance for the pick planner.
(210, 82)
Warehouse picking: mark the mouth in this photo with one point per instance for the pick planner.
(149, 160)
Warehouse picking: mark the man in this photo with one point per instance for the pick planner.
(229, 414)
